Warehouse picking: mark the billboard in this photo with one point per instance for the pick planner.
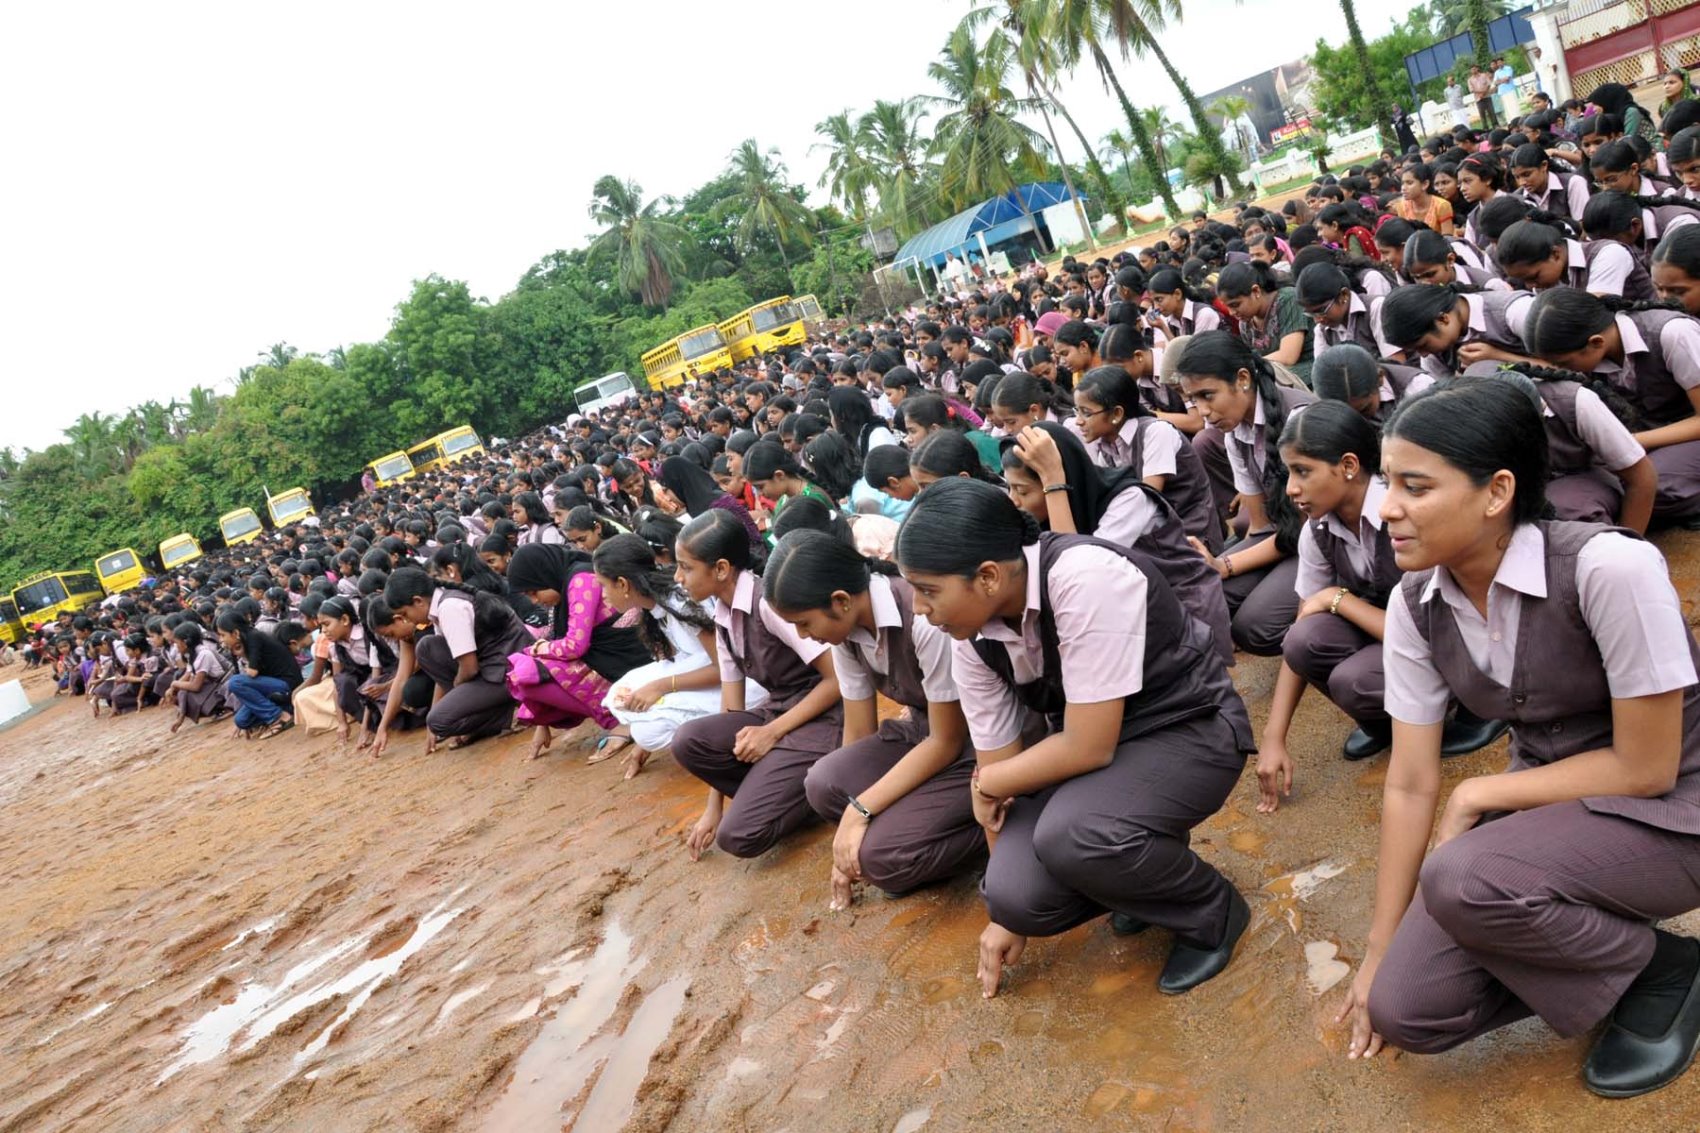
(1279, 97)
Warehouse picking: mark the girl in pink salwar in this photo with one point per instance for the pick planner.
(562, 680)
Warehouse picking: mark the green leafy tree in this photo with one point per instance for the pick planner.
(646, 248)
(1080, 31)
(1373, 94)
(444, 348)
(984, 150)
(1343, 94)
(766, 205)
(907, 176)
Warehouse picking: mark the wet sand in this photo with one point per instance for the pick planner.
(198, 933)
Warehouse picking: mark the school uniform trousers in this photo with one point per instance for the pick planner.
(768, 800)
(930, 834)
(1545, 911)
(1118, 838)
(476, 708)
(1329, 652)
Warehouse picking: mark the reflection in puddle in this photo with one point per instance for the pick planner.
(912, 1121)
(259, 1010)
(555, 1068)
(1324, 968)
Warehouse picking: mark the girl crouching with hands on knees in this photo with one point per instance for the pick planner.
(1538, 895)
(1146, 735)
(756, 757)
(898, 789)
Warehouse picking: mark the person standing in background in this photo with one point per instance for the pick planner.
(1481, 89)
(1506, 87)
(1455, 102)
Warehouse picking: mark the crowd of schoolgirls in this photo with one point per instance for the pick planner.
(1405, 434)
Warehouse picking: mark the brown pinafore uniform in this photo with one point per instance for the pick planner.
(1198, 587)
(1187, 491)
(1544, 911)
(1646, 380)
(929, 834)
(1262, 602)
(1116, 839)
(1332, 654)
(768, 800)
(479, 707)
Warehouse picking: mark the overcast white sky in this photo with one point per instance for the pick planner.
(187, 184)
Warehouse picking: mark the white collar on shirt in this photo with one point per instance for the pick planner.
(1523, 569)
(997, 629)
(743, 599)
(886, 613)
(1248, 433)
(1633, 343)
(1371, 514)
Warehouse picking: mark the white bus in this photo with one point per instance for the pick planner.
(609, 392)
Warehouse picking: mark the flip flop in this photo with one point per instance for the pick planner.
(277, 729)
(602, 750)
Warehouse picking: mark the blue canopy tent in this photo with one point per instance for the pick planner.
(993, 222)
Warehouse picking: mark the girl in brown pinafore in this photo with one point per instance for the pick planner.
(1540, 893)
(898, 789)
(757, 759)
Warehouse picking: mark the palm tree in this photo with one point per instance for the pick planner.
(200, 412)
(280, 355)
(91, 438)
(1476, 18)
(1078, 29)
(1162, 130)
(1134, 25)
(1372, 85)
(849, 175)
(984, 151)
(1234, 108)
(766, 202)
(648, 249)
(1117, 144)
(1022, 22)
(905, 175)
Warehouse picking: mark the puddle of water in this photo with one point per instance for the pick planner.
(554, 1068)
(258, 1010)
(1306, 882)
(612, 1100)
(256, 929)
(1324, 969)
(458, 1000)
(913, 1120)
(742, 1067)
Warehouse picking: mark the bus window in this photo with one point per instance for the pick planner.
(766, 318)
(39, 595)
(424, 455)
(705, 341)
(116, 563)
(393, 467)
(460, 442)
(236, 526)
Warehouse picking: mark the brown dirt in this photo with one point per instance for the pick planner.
(200, 933)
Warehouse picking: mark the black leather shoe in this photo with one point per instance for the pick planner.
(1368, 740)
(1467, 732)
(1188, 965)
(1624, 1064)
(1126, 924)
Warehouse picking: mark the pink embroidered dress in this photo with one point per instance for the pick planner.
(557, 688)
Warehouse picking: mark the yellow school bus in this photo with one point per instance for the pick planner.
(763, 328)
(699, 351)
(119, 570)
(180, 550)
(288, 506)
(238, 527)
(392, 469)
(41, 597)
(12, 628)
(809, 308)
(445, 449)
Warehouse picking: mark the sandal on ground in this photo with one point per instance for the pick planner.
(608, 747)
(278, 728)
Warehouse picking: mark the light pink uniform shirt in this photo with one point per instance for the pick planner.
(1098, 604)
(1626, 598)
(931, 645)
(745, 600)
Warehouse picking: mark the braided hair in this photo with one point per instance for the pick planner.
(629, 558)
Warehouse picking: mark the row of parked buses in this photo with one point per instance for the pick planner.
(41, 597)
(720, 346)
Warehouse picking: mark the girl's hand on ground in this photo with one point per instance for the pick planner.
(999, 949)
(843, 890)
(1364, 1042)
(1274, 777)
(847, 853)
(380, 741)
(430, 742)
(702, 834)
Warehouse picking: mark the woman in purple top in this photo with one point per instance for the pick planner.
(692, 486)
(1541, 891)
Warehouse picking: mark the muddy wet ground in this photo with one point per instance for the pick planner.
(198, 933)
